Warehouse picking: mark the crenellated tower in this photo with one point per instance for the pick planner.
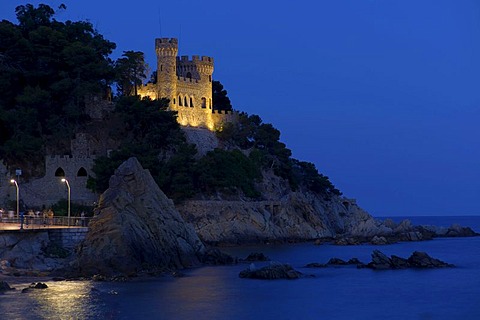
(166, 49)
(187, 83)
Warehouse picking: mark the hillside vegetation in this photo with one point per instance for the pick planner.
(49, 69)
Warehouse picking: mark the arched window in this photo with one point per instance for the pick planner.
(173, 100)
(191, 102)
(210, 78)
(82, 172)
(186, 103)
(180, 101)
(204, 102)
(59, 172)
(210, 103)
(161, 67)
(189, 75)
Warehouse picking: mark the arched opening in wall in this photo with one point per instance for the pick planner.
(210, 103)
(161, 67)
(180, 101)
(204, 102)
(82, 172)
(186, 102)
(210, 78)
(189, 76)
(173, 100)
(59, 172)
(191, 102)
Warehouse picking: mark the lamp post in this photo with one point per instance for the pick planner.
(68, 187)
(16, 186)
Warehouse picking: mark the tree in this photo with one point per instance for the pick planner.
(47, 69)
(220, 99)
(131, 71)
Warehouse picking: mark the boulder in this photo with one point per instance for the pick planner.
(256, 256)
(417, 260)
(456, 230)
(215, 257)
(5, 286)
(379, 240)
(316, 265)
(380, 261)
(423, 260)
(272, 272)
(336, 262)
(399, 263)
(136, 228)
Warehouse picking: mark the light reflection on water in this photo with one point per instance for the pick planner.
(218, 292)
(61, 300)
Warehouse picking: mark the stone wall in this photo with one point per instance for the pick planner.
(67, 238)
(50, 189)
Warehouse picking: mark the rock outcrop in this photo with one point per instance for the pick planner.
(5, 287)
(28, 253)
(136, 227)
(285, 215)
(418, 260)
(271, 272)
(380, 261)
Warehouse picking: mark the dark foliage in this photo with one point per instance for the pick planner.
(226, 171)
(130, 72)
(47, 69)
(220, 99)
(263, 141)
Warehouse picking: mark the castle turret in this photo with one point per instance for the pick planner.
(167, 49)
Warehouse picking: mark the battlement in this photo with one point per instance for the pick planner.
(67, 157)
(195, 58)
(188, 80)
(227, 112)
(166, 42)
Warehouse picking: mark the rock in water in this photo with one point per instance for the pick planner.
(271, 272)
(136, 227)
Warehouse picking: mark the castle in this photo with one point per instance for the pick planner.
(187, 84)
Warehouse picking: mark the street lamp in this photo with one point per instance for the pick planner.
(16, 186)
(68, 187)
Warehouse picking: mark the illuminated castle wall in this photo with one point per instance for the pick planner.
(187, 84)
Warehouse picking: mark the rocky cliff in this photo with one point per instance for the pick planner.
(136, 227)
(283, 215)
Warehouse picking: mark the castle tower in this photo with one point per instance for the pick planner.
(205, 69)
(166, 49)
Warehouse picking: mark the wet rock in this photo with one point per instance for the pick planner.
(456, 230)
(379, 240)
(354, 261)
(417, 260)
(213, 256)
(33, 286)
(271, 272)
(38, 285)
(336, 262)
(399, 263)
(5, 287)
(256, 256)
(316, 265)
(380, 261)
(423, 260)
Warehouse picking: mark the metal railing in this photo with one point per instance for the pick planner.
(39, 222)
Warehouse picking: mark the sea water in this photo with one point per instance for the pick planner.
(333, 293)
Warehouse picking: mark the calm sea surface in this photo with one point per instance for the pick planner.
(334, 293)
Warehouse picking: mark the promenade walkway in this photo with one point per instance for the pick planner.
(39, 224)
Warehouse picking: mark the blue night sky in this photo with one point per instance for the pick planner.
(382, 95)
